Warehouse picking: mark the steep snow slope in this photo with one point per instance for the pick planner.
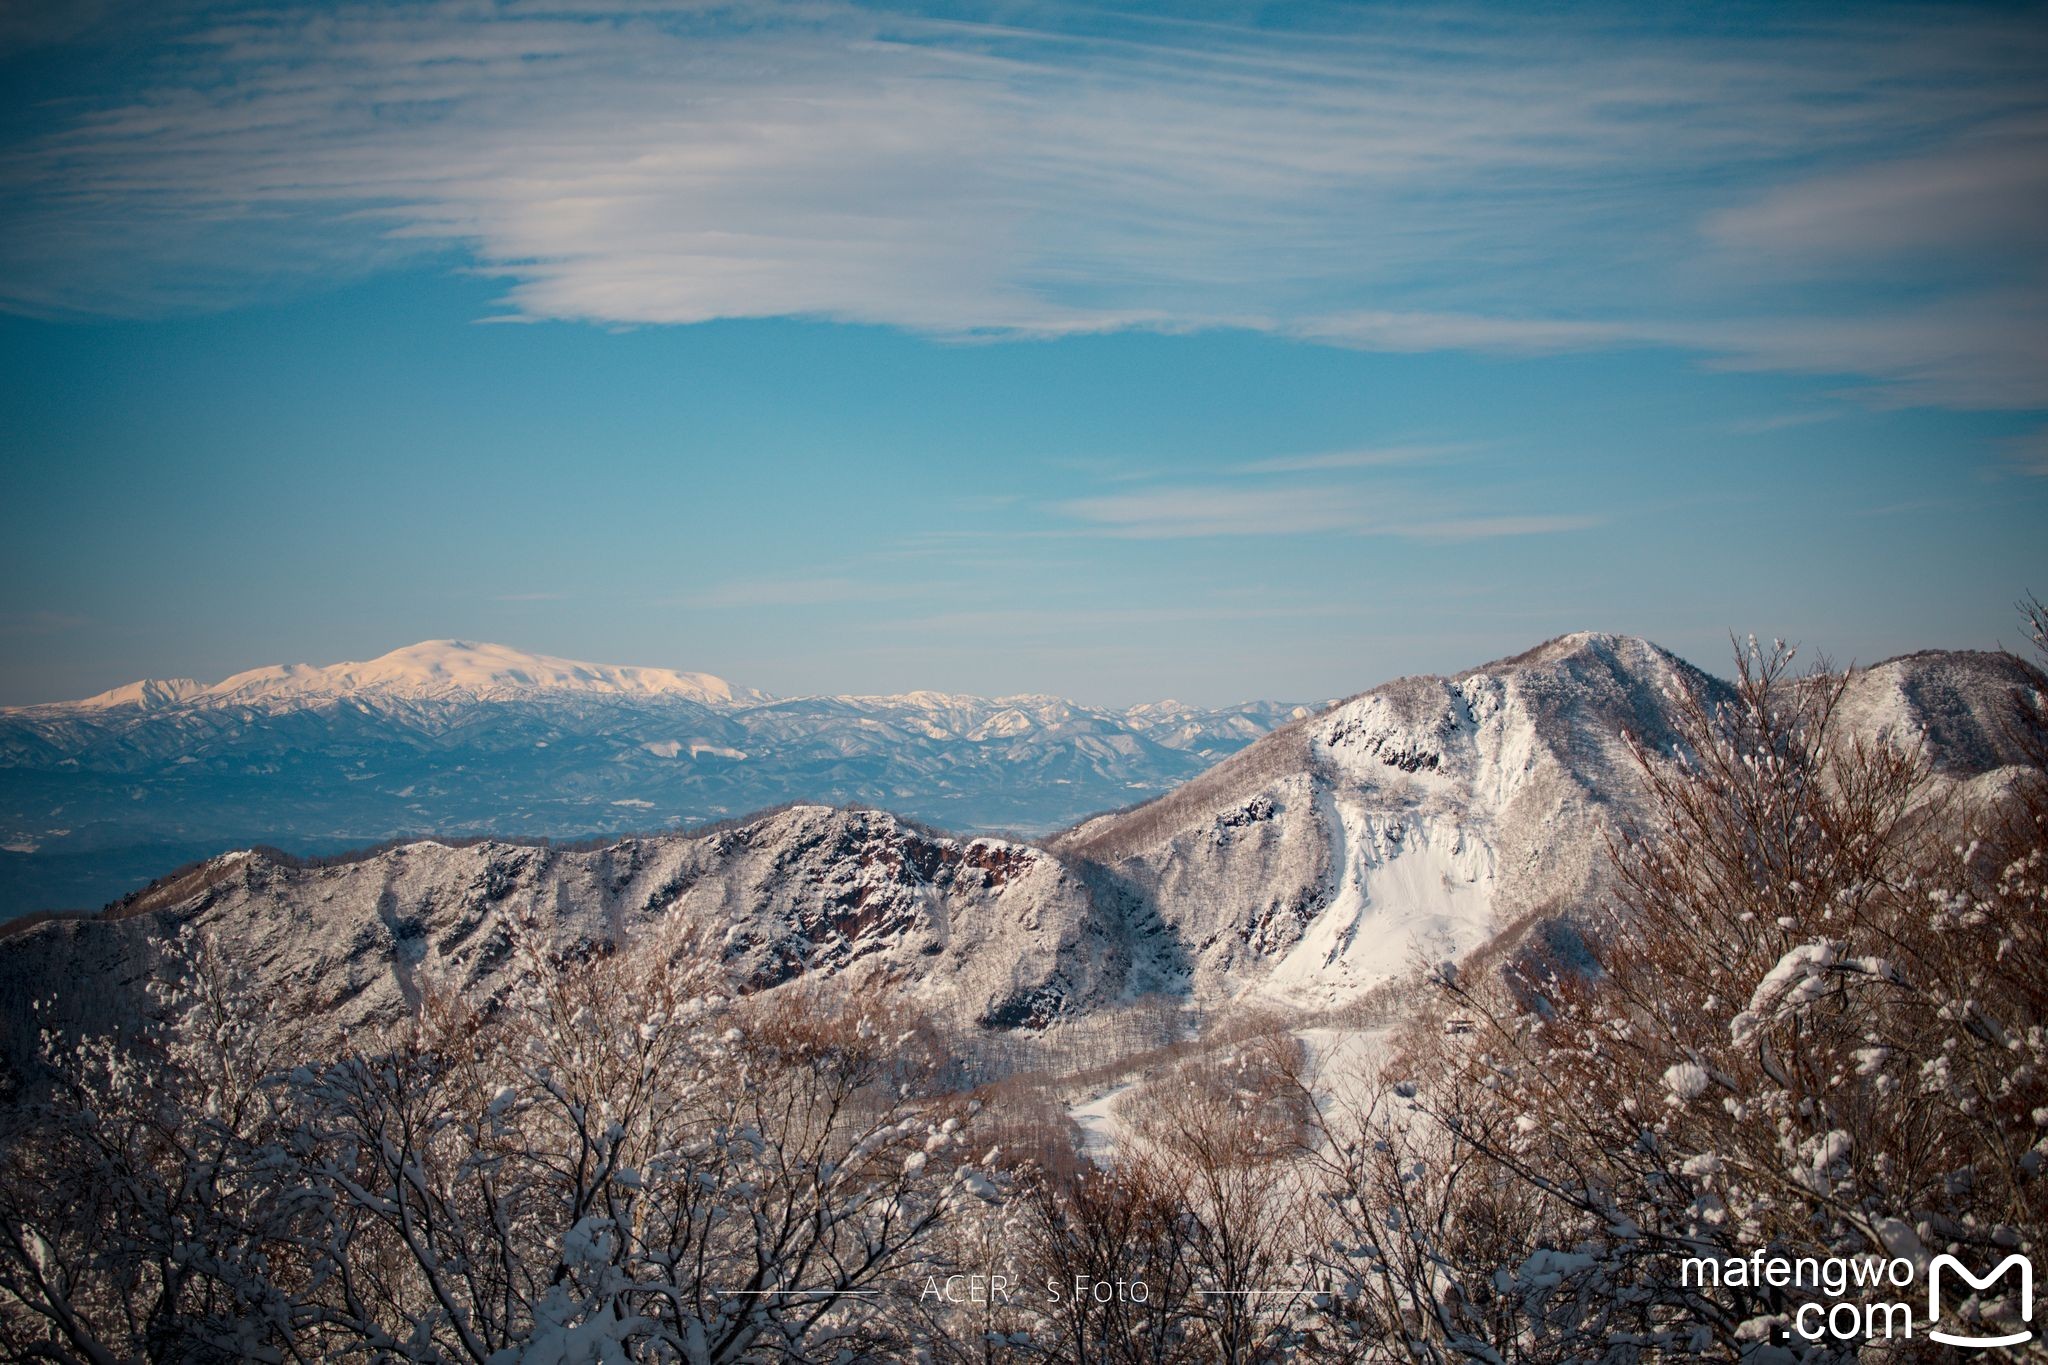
(983, 930)
(1405, 886)
(1418, 820)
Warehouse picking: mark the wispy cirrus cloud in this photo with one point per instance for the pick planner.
(1785, 421)
(1486, 528)
(45, 622)
(1371, 457)
(1986, 190)
(1381, 330)
(823, 590)
(2030, 452)
(1166, 512)
(1981, 349)
(1407, 178)
(1176, 512)
(1064, 621)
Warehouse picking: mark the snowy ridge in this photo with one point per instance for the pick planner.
(146, 695)
(458, 668)
(983, 930)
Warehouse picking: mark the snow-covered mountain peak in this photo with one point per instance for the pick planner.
(463, 668)
(1600, 684)
(1938, 699)
(1596, 648)
(146, 694)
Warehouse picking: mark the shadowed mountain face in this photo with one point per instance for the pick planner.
(460, 739)
(1419, 821)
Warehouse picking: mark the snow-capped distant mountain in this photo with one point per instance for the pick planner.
(457, 738)
(466, 671)
(430, 670)
(1429, 818)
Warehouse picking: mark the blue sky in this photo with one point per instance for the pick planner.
(1264, 351)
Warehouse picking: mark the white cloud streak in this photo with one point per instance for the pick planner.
(1180, 512)
(1378, 457)
(789, 592)
(1785, 421)
(1423, 179)
(1159, 513)
(2030, 452)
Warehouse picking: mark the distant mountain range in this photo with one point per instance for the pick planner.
(456, 738)
(1430, 818)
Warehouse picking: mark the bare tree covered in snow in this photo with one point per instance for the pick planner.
(617, 1163)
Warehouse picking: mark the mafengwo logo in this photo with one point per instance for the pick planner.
(1980, 1285)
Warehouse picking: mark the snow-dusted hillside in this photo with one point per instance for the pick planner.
(455, 738)
(1422, 820)
(983, 930)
